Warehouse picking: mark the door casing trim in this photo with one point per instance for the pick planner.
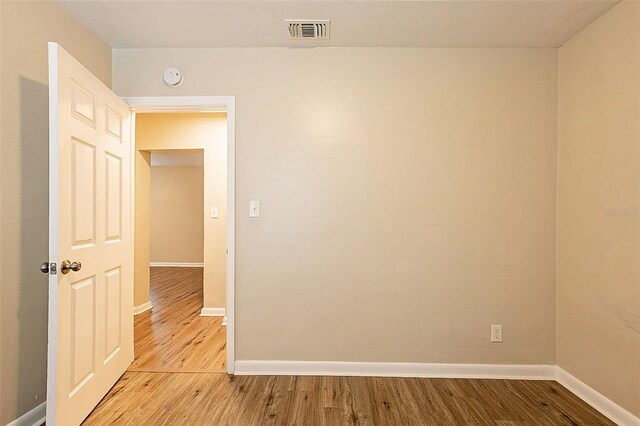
(204, 104)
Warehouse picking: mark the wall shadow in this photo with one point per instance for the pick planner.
(32, 309)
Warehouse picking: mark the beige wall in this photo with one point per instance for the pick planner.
(408, 197)
(2, 410)
(142, 228)
(598, 297)
(206, 131)
(25, 29)
(177, 206)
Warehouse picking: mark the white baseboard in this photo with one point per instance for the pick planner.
(176, 265)
(610, 409)
(142, 308)
(396, 369)
(213, 312)
(34, 417)
(224, 320)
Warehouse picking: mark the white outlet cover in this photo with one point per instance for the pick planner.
(172, 77)
(214, 212)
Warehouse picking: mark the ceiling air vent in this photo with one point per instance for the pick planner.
(308, 29)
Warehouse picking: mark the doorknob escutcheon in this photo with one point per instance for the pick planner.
(66, 266)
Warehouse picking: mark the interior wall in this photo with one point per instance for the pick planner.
(598, 299)
(408, 197)
(142, 228)
(25, 29)
(177, 206)
(185, 131)
(1, 286)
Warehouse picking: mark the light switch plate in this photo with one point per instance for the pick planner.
(496, 333)
(254, 208)
(214, 212)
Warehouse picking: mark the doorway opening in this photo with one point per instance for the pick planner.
(181, 240)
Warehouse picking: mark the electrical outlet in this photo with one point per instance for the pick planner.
(496, 333)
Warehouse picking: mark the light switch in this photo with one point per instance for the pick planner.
(496, 333)
(214, 212)
(254, 208)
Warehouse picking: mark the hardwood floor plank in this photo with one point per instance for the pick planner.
(218, 399)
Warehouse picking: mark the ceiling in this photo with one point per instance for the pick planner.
(239, 23)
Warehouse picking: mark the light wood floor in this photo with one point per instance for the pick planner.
(173, 337)
(218, 399)
(179, 340)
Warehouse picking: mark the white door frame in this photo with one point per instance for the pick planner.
(205, 104)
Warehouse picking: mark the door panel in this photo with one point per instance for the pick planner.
(90, 309)
(113, 182)
(83, 194)
(83, 332)
(113, 321)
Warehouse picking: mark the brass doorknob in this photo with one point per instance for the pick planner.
(67, 266)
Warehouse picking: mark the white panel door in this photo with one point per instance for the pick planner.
(91, 295)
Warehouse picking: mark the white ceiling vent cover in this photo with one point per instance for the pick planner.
(300, 29)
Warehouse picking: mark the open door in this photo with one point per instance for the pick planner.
(90, 240)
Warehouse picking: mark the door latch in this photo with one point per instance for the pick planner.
(49, 268)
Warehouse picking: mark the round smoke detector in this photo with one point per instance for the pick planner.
(172, 77)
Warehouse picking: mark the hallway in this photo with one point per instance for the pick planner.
(173, 337)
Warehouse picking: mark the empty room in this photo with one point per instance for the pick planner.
(319, 212)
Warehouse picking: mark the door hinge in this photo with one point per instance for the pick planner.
(49, 268)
